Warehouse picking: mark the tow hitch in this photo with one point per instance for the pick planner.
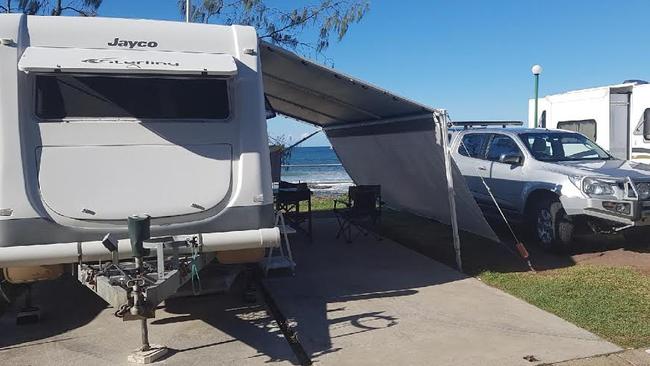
(136, 287)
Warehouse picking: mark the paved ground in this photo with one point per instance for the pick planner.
(635, 357)
(376, 302)
(78, 330)
(371, 302)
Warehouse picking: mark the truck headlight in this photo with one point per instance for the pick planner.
(597, 187)
(643, 189)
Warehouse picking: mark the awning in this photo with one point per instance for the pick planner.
(380, 138)
(81, 60)
(304, 90)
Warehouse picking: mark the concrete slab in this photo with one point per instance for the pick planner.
(78, 329)
(375, 302)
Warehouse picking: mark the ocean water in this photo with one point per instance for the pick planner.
(319, 166)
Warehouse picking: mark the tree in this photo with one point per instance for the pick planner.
(309, 27)
(52, 7)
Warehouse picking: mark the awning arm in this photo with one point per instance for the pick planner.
(304, 139)
(283, 100)
(268, 107)
(379, 121)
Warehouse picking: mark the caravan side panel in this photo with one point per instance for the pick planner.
(639, 134)
(577, 106)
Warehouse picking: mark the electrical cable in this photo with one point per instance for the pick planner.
(194, 271)
(519, 245)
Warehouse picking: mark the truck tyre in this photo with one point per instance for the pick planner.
(4, 300)
(637, 237)
(552, 228)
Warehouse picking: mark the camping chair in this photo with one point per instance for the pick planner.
(362, 209)
(288, 200)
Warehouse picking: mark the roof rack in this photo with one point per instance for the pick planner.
(468, 124)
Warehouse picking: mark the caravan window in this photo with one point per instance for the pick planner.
(586, 127)
(646, 124)
(152, 97)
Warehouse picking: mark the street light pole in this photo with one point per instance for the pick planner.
(188, 6)
(536, 71)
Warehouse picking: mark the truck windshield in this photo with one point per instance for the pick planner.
(145, 97)
(562, 146)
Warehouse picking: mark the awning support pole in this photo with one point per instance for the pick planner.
(303, 139)
(442, 119)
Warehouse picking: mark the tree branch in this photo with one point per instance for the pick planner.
(314, 14)
(79, 11)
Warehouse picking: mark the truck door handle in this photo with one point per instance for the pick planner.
(482, 168)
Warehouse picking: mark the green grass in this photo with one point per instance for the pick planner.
(611, 302)
(325, 203)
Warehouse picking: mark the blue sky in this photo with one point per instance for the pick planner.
(473, 57)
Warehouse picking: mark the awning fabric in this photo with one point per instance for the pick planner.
(81, 60)
(379, 137)
(313, 93)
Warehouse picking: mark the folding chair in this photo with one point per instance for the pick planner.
(288, 200)
(362, 210)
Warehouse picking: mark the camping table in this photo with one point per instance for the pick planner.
(288, 201)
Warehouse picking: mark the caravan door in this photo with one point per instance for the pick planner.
(619, 125)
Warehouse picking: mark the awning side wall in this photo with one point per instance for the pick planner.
(408, 163)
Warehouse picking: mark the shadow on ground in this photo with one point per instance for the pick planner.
(433, 239)
(334, 277)
(66, 305)
(250, 323)
(77, 325)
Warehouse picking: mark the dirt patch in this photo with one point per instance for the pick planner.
(620, 257)
(606, 250)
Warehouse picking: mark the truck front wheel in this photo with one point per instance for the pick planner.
(637, 236)
(552, 228)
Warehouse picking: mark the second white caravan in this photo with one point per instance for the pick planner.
(617, 117)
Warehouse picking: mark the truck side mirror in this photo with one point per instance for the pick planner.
(512, 159)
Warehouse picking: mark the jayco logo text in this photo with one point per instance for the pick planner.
(129, 64)
(132, 44)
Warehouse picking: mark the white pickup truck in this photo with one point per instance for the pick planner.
(554, 182)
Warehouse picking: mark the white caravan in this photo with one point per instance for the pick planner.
(617, 117)
(105, 118)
